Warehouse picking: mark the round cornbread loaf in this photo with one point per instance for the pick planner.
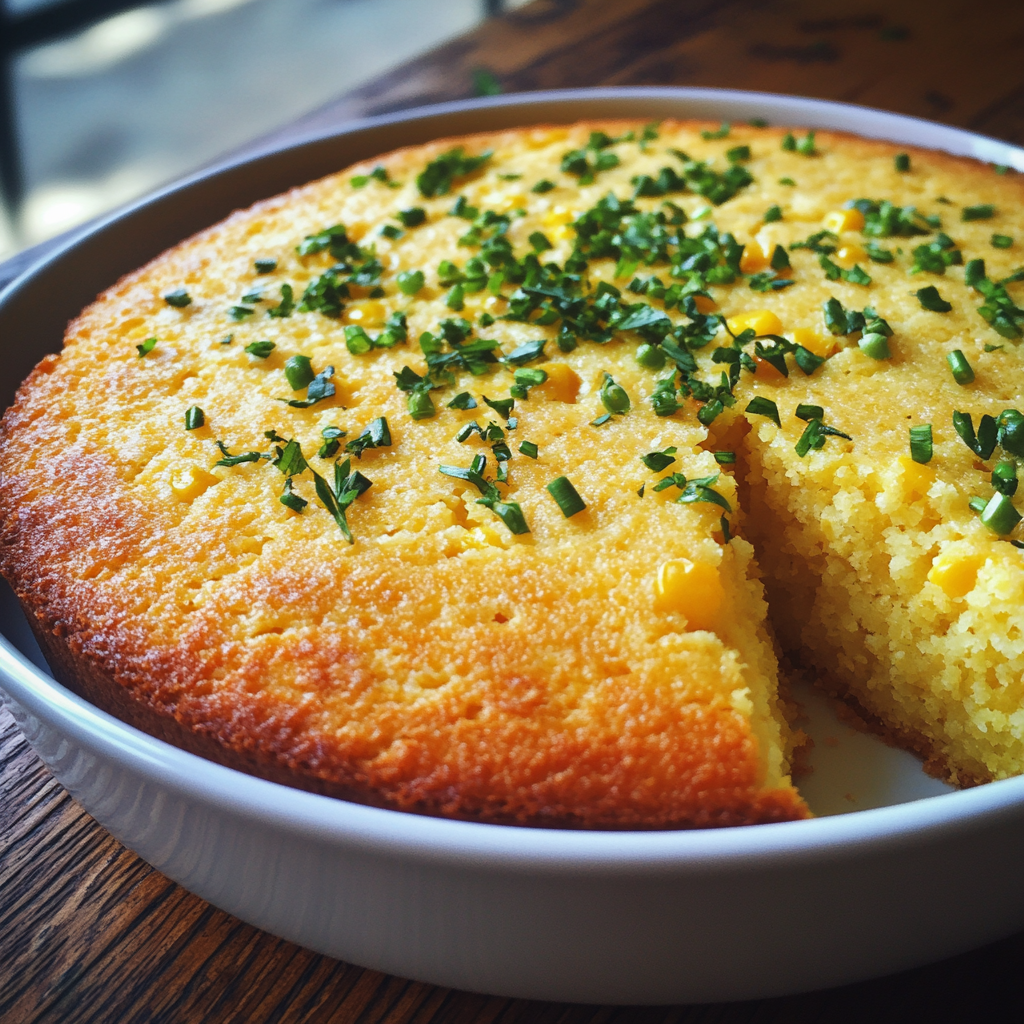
(177, 513)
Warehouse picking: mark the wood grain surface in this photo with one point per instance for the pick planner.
(90, 933)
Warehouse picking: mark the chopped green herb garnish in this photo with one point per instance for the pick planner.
(962, 371)
(543, 186)
(463, 400)
(650, 356)
(877, 254)
(566, 496)
(410, 281)
(194, 418)
(737, 154)
(376, 435)
(390, 231)
(240, 312)
(809, 412)
(787, 181)
(725, 458)
(540, 242)
(815, 435)
(332, 441)
(921, 443)
(874, 345)
(722, 132)
(260, 349)
(146, 347)
(984, 442)
(764, 407)
(1011, 432)
(298, 372)
(502, 406)
(999, 515)
(657, 461)
(286, 305)
(265, 265)
(902, 162)
(601, 420)
(1002, 241)
(930, 299)
(337, 498)
(236, 460)
(291, 500)
(320, 387)
(179, 298)
(437, 177)
(773, 214)
(413, 217)
(613, 397)
(529, 449)
(526, 353)
(981, 212)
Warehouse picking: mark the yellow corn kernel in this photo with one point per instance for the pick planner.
(848, 255)
(557, 221)
(694, 589)
(764, 321)
(188, 482)
(705, 304)
(956, 574)
(917, 479)
(562, 385)
(503, 203)
(813, 342)
(754, 258)
(843, 220)
(366, 313)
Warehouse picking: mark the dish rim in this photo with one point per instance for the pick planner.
(399, 834)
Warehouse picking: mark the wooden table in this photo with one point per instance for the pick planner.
(90, 933)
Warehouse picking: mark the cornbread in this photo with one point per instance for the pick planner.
(465, 481)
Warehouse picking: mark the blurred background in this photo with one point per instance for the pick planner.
(103, 100)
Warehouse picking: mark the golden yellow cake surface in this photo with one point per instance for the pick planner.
(502, 660)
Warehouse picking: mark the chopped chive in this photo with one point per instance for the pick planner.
(650, 356)
(614, 397)
(981, 212)
(540, 242)
(601, 420)
(194, 418)
(265, 265)
(260, 349)
(1004, 478)
(357, 341)
(146, 347)
(179, 298)
(725, 458)
(930, 299)
(902, 162)
(1001, 241)
(999, 515)
(529, 449)
(962, 370)
(921, 443)
(413, 217)
(977, 504)
(772, 214)
(787, 181)
(874, 345)
(543, 186)
(298, 372)
(566, 496)
(240, 312)
(737, 154)
(410, 281)
(764, 407)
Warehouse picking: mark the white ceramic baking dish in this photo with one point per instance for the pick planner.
(602, 917)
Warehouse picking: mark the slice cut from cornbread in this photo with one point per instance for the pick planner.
(433, 484)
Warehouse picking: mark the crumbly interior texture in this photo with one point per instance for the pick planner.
(614, 668)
